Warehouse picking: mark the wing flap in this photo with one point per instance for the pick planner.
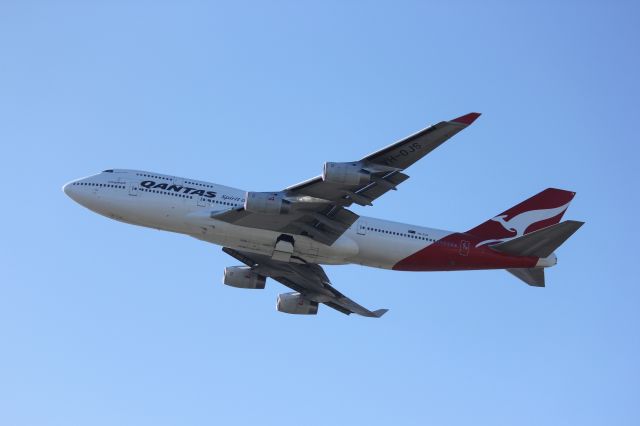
(325, 227)
(377, 189)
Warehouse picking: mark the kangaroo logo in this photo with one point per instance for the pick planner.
(521, 222)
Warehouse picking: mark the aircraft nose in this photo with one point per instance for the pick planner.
(70, 190)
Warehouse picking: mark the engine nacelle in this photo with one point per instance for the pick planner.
(345, 174)
(243, 277)
(295, 303)
(266, 203)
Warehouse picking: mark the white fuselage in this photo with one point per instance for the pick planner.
(185, 206)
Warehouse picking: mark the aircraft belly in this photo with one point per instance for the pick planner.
(264, 241)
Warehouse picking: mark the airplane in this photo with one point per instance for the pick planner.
(287, 235)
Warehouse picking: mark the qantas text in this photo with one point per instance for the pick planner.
(178, 188)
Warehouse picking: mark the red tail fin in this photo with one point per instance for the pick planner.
(541, 210)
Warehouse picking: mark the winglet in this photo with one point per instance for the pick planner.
(379, 313)
(467, 119)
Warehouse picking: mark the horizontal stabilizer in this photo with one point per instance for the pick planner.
(540, 243)
(531, 276)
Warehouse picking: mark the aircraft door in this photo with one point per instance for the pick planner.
(464, 248)
(133, 189)
(362, 227)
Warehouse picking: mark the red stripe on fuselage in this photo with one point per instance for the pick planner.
(458, 252)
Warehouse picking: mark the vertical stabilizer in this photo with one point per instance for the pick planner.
(540, 211)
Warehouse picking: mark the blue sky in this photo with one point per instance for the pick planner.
(104, 323)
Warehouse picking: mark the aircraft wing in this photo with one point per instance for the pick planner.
(308, 279)
(318, 207)
(386, 165)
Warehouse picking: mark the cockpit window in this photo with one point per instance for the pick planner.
(108, 171)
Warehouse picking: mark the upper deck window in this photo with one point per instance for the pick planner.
(108, 171)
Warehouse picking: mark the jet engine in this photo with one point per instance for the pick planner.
(243, 277)
(345, 174)
(266, 203)
(295, 303)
